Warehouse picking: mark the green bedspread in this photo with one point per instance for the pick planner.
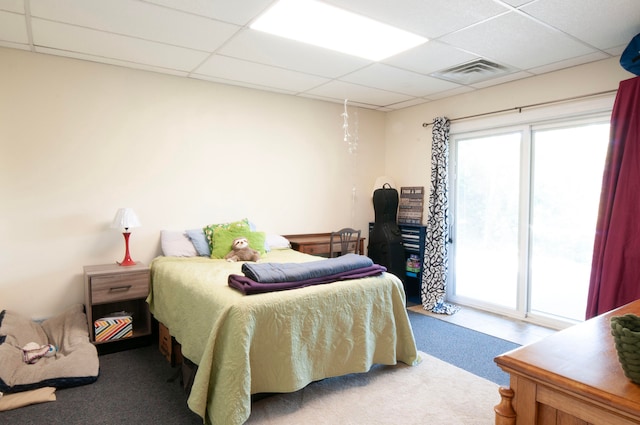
(278, 341)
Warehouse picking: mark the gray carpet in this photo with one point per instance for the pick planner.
(133, 385)
(469, 350)
(132, 389)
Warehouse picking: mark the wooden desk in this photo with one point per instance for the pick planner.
(571, 377)
(318, 243)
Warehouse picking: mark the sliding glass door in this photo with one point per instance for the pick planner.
(525, 203)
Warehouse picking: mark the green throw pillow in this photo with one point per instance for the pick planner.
(210, 229)
(223, 239)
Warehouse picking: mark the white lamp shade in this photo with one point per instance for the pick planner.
(125, 218)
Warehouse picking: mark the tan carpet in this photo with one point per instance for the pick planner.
(431, 393)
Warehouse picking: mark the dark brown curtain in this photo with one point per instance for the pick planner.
(615, 269)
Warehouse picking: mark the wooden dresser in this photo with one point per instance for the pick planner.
(317, 243)
(571, 377)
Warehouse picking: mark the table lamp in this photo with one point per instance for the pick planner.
(126, 219)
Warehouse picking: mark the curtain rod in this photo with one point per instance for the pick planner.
(520, 108)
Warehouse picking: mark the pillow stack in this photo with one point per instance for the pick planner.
(215, 240)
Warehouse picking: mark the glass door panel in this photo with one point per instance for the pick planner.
(567, 177)
(486, 219)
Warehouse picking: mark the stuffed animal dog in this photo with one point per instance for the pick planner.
(240, 251)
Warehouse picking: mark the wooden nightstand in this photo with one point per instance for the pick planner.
(111, 288)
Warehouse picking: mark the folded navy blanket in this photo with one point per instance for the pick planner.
(248, 286)
(294, 272)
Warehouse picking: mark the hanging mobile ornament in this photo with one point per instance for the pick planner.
(345, 122)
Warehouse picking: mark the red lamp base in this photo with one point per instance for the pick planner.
(127, 258)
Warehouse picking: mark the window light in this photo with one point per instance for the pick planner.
(320, 24)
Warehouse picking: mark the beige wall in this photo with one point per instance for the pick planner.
(80, 139)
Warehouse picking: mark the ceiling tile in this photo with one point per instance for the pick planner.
(101, 44)
(617, 51)
(111, 61)
(406, 104)
(430, 57)
(516, 3)
(258, 74)
(12, 6)
(241, 84)
(429, 18)
(236, 12)
(501, 80)
(568, 63)
(255, 46)
(12, 28)
(137, 19)
(393, 79)
(583, 18)
(517, 41)
(352, 104)
(358, 93)
(449, 93)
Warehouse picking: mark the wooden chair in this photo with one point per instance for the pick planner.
(349, 240)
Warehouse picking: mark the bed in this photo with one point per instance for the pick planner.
(274, 342)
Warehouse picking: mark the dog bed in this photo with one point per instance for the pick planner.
(74, 363)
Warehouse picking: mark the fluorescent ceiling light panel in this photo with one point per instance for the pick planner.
(320, 24)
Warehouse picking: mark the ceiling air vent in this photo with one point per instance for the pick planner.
(473, 72)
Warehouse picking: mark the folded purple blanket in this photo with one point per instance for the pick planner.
(295, 272)
(248, 286)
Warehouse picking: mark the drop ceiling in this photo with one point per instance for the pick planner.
(211, 40)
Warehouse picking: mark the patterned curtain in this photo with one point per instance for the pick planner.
(436, 261)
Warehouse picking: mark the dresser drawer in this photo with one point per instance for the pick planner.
(109, 288)
(315, 249)
(323, 248)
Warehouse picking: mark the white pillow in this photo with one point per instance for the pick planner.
(176, 244)
(277, 241)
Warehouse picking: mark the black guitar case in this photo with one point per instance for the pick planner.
(385, 239)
